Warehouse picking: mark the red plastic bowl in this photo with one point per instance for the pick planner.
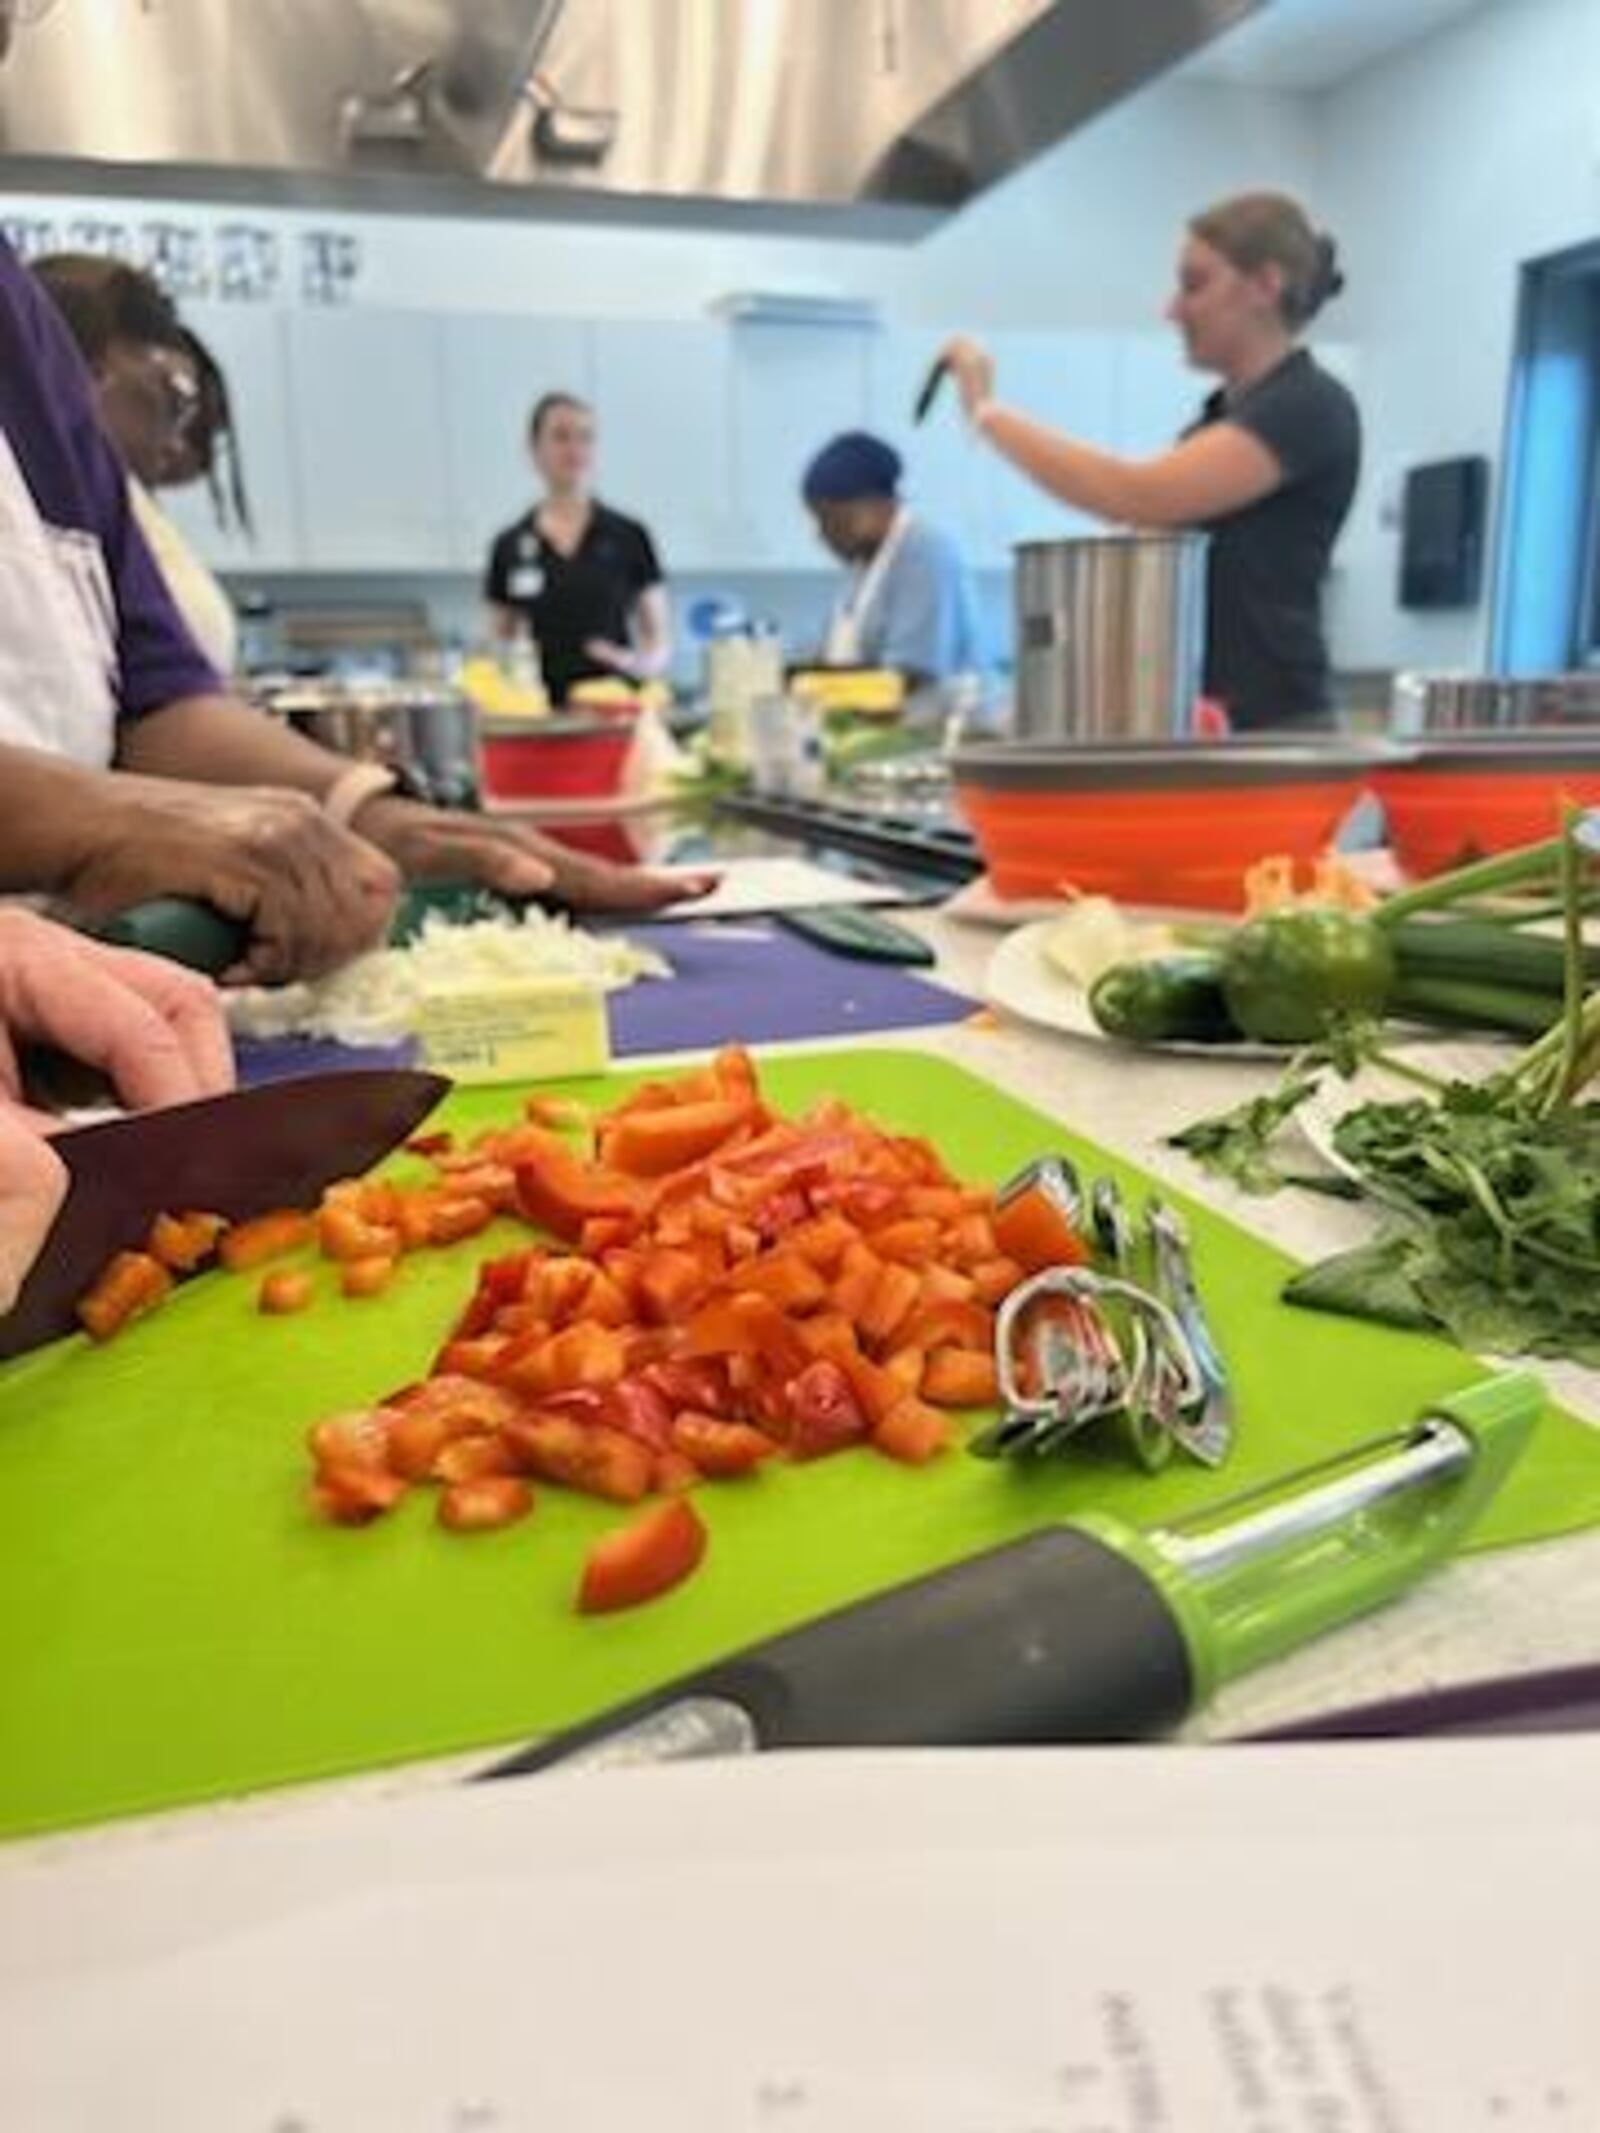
(1469, 795)
(1153, 822)
(556, 759)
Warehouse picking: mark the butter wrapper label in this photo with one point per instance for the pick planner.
(528, 1029)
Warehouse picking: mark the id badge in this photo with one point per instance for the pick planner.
(525, 582)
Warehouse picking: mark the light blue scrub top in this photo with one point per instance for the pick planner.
(924, 616)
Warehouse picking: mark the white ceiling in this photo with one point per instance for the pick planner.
(1313, 44)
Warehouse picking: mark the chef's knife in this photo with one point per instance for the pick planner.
(237, 1155)
(930, 390)
(1094, 1629)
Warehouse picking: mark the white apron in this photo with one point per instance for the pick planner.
(58, 631)
(842, 646)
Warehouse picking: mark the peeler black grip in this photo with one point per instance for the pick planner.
(1056, 1637)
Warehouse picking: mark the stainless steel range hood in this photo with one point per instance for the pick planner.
(543, 104)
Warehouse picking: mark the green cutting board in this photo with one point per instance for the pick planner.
(175, 1626)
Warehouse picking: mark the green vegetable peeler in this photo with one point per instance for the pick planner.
(1095, 1630)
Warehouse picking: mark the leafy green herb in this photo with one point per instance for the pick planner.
(1376, 1280)
(1238, 1144)
(1492, 1189)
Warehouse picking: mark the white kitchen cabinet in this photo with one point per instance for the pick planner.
(494, 371)
(370, 449)
(794, 387)
(248, 341)
(662, 394)
(1069, 381)
(945, 479)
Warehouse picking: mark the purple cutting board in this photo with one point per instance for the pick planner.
(746, 981)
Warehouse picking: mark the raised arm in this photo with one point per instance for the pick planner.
(1218, 470)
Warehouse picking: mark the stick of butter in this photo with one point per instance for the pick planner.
(519, 1029)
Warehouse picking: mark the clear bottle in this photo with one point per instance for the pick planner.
(259, 650)
(523, 665)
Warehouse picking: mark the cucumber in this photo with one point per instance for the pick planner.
(1165, 1000)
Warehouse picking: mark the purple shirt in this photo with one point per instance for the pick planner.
(79, 484)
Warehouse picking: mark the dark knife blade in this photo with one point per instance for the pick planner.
(237, 1155)
(930, 387)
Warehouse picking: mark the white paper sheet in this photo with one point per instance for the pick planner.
(749, 886)
(1350, 1939)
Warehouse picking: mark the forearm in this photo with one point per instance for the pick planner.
(651, 631)
(217, 740)
(49, 809)
(1081, 475)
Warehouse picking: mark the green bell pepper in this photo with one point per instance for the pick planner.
(1290, 975)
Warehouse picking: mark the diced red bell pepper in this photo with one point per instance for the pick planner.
(650, 1144)
(640, 1410)
(689, 1381)
(675, 1475)
(746, 1325)
(560, 1191)
(131, 1285)
(482, 1505)
(891, 1303)
(355, 1495)
(643, 1559)
(949, 1324)
(251, 1244)
(576, 1455)
(784, 1279)
(719, 1448)
(359, 1438)
(453, 1219)
(961, 1377)
(912, 1432)
(825, 1412)
(669, 1282)
(1032, 1230)
(994, 1279)
(583, 1354)
(912, 1238)
(474, 1459)
(734, 1072)
(284, 1292)
(184, 1242)
(344, 1233)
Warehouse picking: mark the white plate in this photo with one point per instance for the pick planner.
(1023, 981)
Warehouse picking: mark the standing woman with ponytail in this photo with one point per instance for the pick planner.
(1268, 468)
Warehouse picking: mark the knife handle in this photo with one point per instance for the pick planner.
(183, 930)
(1056, 1637)
(939, 371)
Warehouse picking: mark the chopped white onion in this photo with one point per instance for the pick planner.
(375, 999)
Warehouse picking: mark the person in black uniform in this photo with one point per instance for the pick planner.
(585, 580)
(1268, 469)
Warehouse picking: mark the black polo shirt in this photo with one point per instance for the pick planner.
(570, 598)
(1266, 656)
